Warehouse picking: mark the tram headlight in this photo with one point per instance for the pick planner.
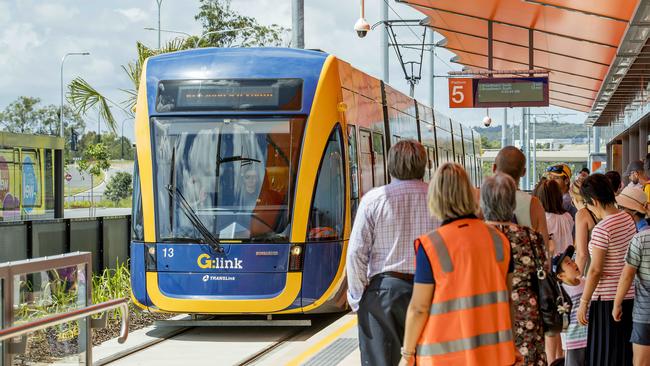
(296, 258)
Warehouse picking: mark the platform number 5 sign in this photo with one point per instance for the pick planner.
(461, 94)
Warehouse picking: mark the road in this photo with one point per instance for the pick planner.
(75, 213)
(80, 180)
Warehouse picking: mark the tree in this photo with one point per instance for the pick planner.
(94, 161)
(217, 15)
(112, 143)
(25, 115)
(119, 187)
(489, 144)
(213, 15)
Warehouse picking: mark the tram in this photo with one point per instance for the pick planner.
(249, 170)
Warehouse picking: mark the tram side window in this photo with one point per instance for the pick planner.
(379, 163)
(432, 161)
(354, 169)
(365, 161)
(326, 218)
(137, 226)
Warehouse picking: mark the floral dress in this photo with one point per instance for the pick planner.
(528, 327)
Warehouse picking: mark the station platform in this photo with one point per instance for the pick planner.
(331, 340)
(337, 344)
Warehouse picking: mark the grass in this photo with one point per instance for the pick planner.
(112, 284)
(124, 203)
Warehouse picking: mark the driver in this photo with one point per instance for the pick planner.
(250, 193)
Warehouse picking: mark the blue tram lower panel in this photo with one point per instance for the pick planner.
(243, 271)
(321, 263)
(237, 258)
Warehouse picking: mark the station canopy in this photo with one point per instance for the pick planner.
(583, 44)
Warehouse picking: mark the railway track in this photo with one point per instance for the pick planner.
(221, 340)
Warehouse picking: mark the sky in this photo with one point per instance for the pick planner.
(35, 34)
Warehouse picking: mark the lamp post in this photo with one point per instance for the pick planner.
(196, 43)
(159, 2)
(122, 139)
(61, 134)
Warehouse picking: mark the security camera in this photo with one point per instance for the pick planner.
(487, 121)
(361, 27)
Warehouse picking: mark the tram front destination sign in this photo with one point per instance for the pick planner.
(498, 92)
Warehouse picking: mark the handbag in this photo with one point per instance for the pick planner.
(553, 301)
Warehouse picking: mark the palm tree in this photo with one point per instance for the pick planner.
(85, 97)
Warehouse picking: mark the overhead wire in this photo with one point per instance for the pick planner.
(416, 36)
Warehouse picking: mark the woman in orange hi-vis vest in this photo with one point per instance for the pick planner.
(467, 319)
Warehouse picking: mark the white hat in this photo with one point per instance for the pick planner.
(633, 199)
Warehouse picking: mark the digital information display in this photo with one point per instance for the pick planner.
(229, 95)
(498, 92)
(511, 92)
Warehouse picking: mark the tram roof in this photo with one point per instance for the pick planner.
(237, 63)
(582, 43)
(213, 62)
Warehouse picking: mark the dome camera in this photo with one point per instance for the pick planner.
(487, 121)
(361, 27)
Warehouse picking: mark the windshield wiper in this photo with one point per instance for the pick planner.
(237, 158)
(208, 237)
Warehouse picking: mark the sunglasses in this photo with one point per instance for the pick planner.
(555, 169)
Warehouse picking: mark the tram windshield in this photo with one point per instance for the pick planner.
(237, 176)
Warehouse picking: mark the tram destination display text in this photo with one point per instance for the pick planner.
(229, 95)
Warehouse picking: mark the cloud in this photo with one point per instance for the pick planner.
(134, 15)
(18, 38)
(54, 12)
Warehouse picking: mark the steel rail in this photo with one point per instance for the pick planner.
(22, 329)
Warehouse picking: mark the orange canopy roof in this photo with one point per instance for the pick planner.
(575, 40)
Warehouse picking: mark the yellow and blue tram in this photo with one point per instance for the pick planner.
(250, 166)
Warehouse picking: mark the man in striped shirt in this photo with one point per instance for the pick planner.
(381, 254)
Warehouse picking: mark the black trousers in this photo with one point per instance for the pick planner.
(382, 317)
(608, 340)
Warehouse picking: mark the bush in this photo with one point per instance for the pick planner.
(119, 187)
(77, 204)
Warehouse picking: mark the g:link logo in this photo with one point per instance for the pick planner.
(204, 262)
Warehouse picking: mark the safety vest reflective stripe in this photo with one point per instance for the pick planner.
(441, 250)
(469, 302)
(464, 344)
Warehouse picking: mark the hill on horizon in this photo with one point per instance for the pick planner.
(546, 130)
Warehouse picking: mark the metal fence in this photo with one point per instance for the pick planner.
(52, 295)
(107, 238)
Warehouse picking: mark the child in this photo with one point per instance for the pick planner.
(574, 339)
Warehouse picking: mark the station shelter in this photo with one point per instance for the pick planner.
(31, 177)
(596, 54)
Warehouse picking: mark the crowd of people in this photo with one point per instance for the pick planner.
(447, 274)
